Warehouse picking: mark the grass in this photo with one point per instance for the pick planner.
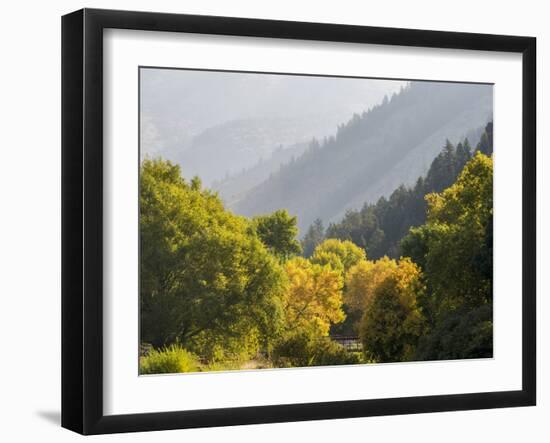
(170, 360)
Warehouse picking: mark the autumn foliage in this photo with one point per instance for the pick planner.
(218, 289)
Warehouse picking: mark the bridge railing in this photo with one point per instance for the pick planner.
(352, 343)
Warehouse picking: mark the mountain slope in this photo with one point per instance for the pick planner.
(380, 227)
(233, 187)
(391, 144)
(228, 148)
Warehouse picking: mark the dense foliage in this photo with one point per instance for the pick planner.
(313, 237)
(169, 360)
(410, 276)
(314, 298)
(305, 348)
(379, 227)
(392, 319)
(278, 232)
(207, 281)
(338, 254)
(455, 249)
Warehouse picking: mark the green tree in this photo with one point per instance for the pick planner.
(379, 228)
(485, 145)
(454, 249)
(339, 254)
(464, 333)
(314, 236)
(204, 271)
(278, 232)
(459, 218)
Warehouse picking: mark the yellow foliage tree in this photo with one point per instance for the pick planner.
(362, 280)
(393, 322)
(314, 297)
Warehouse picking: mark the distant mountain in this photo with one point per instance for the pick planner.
(391, 144)
(229, 148)
(216, 123)
(232, 188)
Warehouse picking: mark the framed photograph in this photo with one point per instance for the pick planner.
(269, 221)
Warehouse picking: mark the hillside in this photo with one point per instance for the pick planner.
(227, 149)
(391, 144)
(233, 187)
(379, 228)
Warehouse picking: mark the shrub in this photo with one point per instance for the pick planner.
(222, 366)
(305, 349)
(232, 346)
(330, 353)
(169, 360)
(461, 334)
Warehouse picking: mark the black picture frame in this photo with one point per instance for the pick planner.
(82, 219)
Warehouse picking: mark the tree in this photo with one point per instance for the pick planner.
(362, 228)
(278, 232)
(454, 249)
(459, 218)
(445, 169)
(340, 255)
(363, 279)
(379, 228)
(485, 145)
(314, 236)
(465, 333)
(313, 300)
(205, 274)
(463, 155)
(393, 321)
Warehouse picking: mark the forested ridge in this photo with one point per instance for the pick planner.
(410, 275)
(373, 153)
(379, 227)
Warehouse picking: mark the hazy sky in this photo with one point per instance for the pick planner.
(178, 105)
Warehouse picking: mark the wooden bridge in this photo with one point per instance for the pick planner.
(352, 343)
